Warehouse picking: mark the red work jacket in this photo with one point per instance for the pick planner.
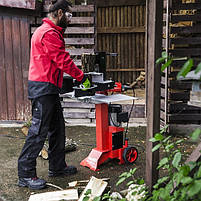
(48, 61)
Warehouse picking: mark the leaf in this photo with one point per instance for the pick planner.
(124, 174)
(195, 135)
(176, 160)
(158, 137)
(152, 139)
(97, 198)
(160, 181)
(165, 65)
(134, 193)
(198, 69)
(195, 188)
(162, 162)
(164, 129)
(185, 69)
(185, 169)
(130, 182)
(169, 146)
(177, 177)
(106, 196)
(166, 139)
(179, 141)
(164, 54)
(120, 181)
(199, 172)
(132, 171)
(86, 198)
(186, 180)
(88, 192)
(160, 60)
(156, 147)
(140, 181)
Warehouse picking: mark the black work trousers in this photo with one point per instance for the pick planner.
(47, 121)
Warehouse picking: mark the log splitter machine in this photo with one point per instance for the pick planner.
(110, 140)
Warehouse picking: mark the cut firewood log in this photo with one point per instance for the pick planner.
(97, 187)
(25, 130)
(70, 194)
(83, 182)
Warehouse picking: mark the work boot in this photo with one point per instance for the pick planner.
(32, 183)
(68, 170)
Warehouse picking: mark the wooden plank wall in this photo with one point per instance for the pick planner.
(121, 29)
(185, 43)
(14, 62)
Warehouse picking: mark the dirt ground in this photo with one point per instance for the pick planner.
(11, 142)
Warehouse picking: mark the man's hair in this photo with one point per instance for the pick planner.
(59, 4)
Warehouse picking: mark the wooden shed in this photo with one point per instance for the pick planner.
(15, 17)
(181, 40)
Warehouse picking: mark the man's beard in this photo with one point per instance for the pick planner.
(63, 23)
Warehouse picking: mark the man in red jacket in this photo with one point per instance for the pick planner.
(48, 62)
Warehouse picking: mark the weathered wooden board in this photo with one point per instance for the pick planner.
(3, 92)
(26, 4)
(188, 6)
(79, 41)
(195, 155)
(79, 51)
(8, 53)
(116, 30)
(186, 41)
(179, 18)
(176, 96)
(75, 8)
(79, 115)
(182, 52)
(106, 3)
(80, 30)
(97, 187)
(70, 194)
(186, 30)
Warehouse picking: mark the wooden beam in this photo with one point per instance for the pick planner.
(79, 30)
(182, 52)
(114, 30)
(186, 30)
(124, 69)
(24, 4)
(75, 8)
(186, 6)
(82, 20)
(74, 20)
(195, 155)
(181, 18)
(112, 3)
(79, 51)
(79, 41)
(185, 41)
(74, 30)
(153, 51)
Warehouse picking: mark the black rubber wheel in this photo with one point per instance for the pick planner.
(130, 155)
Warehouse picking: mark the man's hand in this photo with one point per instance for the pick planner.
(85, 83)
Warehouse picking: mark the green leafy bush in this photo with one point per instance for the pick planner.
(182, 181)
(167, 60)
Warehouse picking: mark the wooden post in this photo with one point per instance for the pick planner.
(153, 51)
